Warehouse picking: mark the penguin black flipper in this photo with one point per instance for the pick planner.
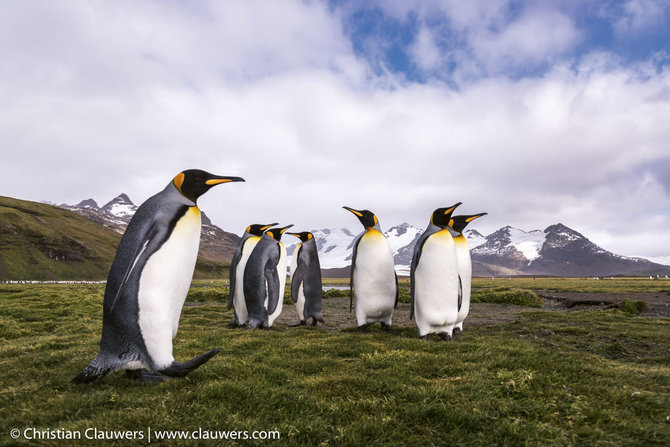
(416, 257)
(397, 290)
(272, 281)
(298, 278)
(353, 267)
(148, 239)
(178, 369)
(460, 292)
(150, 235)
(233, 269)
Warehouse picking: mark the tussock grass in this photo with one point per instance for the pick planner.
(633, 307)
(506, 295)
(587, 378)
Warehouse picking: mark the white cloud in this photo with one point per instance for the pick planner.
(637, 16)
(105, 98)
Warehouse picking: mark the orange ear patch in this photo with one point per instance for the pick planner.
(179, 180)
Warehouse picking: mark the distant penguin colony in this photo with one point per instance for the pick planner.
(154, 264)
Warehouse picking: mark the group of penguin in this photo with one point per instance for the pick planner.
(152, 270)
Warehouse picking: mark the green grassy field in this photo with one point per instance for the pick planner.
(560, 378)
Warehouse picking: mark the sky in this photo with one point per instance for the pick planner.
(536, 112)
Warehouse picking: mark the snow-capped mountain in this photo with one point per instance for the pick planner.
(215, 243)
(558, 250)
(120, 206)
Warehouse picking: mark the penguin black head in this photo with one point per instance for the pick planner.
(367, 218)
(458, 223)
(193, 183)
(275, 233)
(304, 236)
(258, 229)
(441, 216)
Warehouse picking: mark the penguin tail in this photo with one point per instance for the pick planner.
(177, 369)
(92, 372)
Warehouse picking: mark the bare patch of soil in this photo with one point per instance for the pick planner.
(658, 303)
(337, 315)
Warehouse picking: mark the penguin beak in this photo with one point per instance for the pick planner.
(281, 230)
(356, 212)
(294, 234)
(216, 180)
(268, 226)
(451, 210)
(476, 216)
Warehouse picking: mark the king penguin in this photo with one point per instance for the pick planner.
(457, 224)
(306, 279)
(374, 283)
(249, 240)
(265, 278)
(148, 282)
(435, 288)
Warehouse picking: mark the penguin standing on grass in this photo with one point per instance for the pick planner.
(374, 283)
(265, 278)
(249, 240)
(306, 279)
(148, 282)
(457, 224)
(435, 286)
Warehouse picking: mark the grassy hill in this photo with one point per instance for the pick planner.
(45, 242)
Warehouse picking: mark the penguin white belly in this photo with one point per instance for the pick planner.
(300, 302)
(163, 286)
(281, 272)
(436, 286)
(239, 304)
(374, 280)
(465, 272)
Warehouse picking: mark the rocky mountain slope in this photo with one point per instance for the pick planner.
(215, 244)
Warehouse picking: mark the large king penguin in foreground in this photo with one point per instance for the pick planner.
(374, 284)
(457, 224)
(148, 282)
(249, 240)
(306, 279)
(265, 278)
(435, 287)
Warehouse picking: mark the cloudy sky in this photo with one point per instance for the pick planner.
(536, 112)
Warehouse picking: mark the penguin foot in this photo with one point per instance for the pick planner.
(457, 332)
(234, 323)
(145, 376)
(444, 336)
(178, 369)
(363, 327)
(299, 323)
(317, 320)
(423, 337)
